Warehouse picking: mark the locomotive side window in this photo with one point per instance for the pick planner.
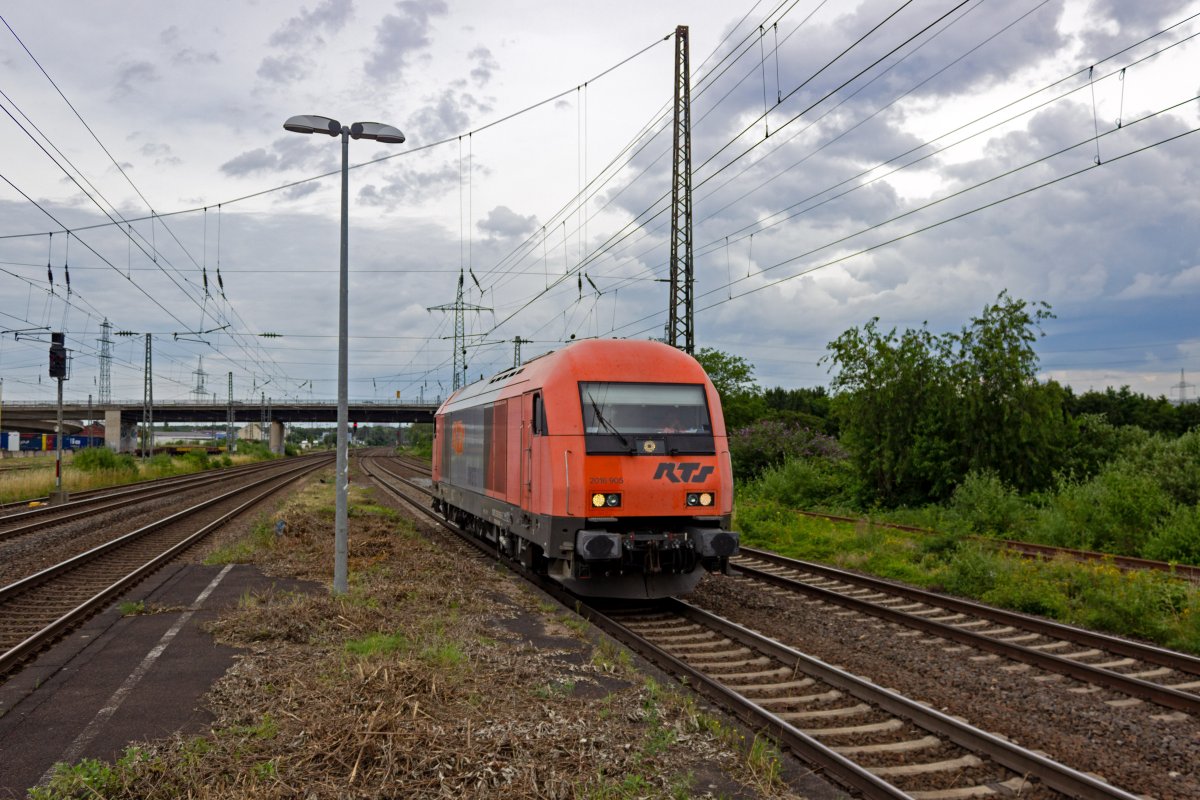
(539, 416)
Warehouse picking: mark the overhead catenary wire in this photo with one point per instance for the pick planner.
(937, 224)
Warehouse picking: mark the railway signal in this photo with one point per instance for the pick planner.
(58, 357)
(58, 370)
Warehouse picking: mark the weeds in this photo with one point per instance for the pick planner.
(377, 644)
(261, 537)
(132, 608)
(612, 657)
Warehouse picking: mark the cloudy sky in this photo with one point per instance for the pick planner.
(906, 161)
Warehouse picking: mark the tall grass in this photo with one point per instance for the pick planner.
(99, 468)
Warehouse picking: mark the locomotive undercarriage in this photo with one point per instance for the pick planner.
(639, 558)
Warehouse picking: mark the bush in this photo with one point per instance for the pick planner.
(985, 504)
(1177, 538)
(1098, 443)
(1172, 463)
(1113, 513)
(1141, 604)
(100, 459)
(161, 462)
(771, 442)
(808, 483)
(247, 447)
(197, 459)
(972, 571)
(1030, 592)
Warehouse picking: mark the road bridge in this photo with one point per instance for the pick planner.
(121, 418)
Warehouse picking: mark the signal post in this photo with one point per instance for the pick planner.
(58, 370)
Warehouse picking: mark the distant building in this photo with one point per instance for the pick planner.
(252, 431)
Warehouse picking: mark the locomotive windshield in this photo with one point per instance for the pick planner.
(644, 409)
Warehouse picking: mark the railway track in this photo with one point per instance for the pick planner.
(1164, 677)
(26, 520)
(36, 610)
(869, 739)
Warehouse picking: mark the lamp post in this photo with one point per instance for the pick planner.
(308, 123)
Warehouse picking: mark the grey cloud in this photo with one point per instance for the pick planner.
(1127, 21)
(400, 36)
(286, 153)
(301, 190)
(448, 114)
(330, 16)
(190, 56)
(161, 153)
(186, 55)
(485, 64)
(406, 184)
(135, 75)
(503, 222)
(282, 70)
(250, 162)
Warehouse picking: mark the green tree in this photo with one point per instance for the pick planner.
(730, 374)
(918, 411)
(1006, 421)
(733, 378)
(1125, 407)
(807, 407)
(890, 391)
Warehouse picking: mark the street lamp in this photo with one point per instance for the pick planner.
(309, 123)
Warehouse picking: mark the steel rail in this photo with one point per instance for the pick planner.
(1137, 687)
(36, 641)
(53, 515)
(1024, 762)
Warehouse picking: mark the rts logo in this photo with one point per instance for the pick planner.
(689, 472)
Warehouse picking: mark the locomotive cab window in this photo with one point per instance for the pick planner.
(616, 416)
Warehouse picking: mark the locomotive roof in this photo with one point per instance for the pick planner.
(587, 359)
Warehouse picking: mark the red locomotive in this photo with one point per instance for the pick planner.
(604, 465)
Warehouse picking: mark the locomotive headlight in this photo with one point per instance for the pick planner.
(613, 500)
(704, 499)
(598, 500)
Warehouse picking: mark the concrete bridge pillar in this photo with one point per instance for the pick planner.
(277, 434)
(122, 438)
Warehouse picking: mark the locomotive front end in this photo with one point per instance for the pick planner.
(657, 487)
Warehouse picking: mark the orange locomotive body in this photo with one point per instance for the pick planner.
(604, 464)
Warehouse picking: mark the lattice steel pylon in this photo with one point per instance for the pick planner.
(680, 327)
(517, 342)
(148, 403)
(460, 337)
(105, 362)
(229, 435)
(200, 391)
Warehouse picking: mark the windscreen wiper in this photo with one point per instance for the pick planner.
(603, 421)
